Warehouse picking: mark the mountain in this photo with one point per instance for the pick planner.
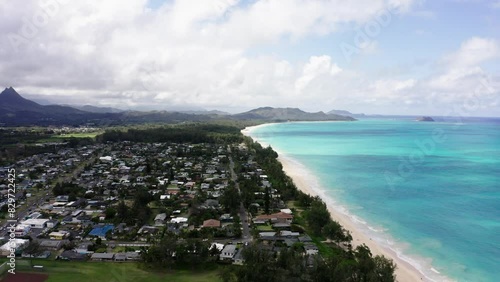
(94, 109)
(10, 101)
(18, 111)
(205, 112)
(288, 114)
(344, 113)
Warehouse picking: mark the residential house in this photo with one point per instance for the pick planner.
(59, 235)
(102, 256)
(160, 219)
(211, 223)
(228, 252)
(54, 245)
(238, 257)
(311, 249)
(279, 217)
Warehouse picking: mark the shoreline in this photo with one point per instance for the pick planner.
(405, 271)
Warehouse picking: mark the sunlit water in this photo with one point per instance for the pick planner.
(428, 190)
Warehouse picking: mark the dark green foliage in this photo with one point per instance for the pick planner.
(197, 133)
(259, 265)
(317, 216)
(248, 189)
(171, 252)
(334, 231)
(110, 213)
(140, 211)
(230, 199)
(267, 159)
(161, 255)
(70, 189)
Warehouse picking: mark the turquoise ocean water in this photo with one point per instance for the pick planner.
(428, 190)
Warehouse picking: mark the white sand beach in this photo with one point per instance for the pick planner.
(404, 272)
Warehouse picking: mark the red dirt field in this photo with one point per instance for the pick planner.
(25, 277)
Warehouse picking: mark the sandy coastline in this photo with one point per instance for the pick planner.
(404, 272)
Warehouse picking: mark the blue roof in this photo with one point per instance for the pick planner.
(102, 230)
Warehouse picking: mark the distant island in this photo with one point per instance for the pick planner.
(425, 119)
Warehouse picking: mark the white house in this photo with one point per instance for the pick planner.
(36, 223)
(179, 220)
(228, 252)
(17, 244)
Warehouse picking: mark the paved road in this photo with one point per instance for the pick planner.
(22, 212)
(246, 237)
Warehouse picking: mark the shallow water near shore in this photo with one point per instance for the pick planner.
(428, 190)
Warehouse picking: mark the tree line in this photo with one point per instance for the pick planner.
(191, 133)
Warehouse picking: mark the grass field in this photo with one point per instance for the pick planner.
(62, 271)
(58, 137)
(78, 135)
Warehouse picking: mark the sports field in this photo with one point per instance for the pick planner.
(62, 271)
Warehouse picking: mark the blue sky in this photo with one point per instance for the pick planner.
(412, 56)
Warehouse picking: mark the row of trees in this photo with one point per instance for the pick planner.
(171, 252)
(192, 133)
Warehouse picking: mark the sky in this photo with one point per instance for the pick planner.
(412, 57)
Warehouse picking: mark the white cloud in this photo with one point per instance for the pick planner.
(317, 67)
(109, 53)
(183, 52)
(473, 52)
(463, 67)
(391, 87)
(369, 47)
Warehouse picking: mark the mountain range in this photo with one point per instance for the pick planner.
(288, 114)
(18, 111)
(345, 113)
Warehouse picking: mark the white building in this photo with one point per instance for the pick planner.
(106, 159)
(228, 252)
(17, 244)
(36, 223)
(179, 220)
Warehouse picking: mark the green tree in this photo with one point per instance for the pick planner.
(317, 216)
(33, 249)
(384, 269)
(122, 211)
(230, 199)
(334, 231)
(259, 265)
(267, 201)
(110, 213)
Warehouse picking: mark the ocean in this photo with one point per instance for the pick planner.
(430, 191)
